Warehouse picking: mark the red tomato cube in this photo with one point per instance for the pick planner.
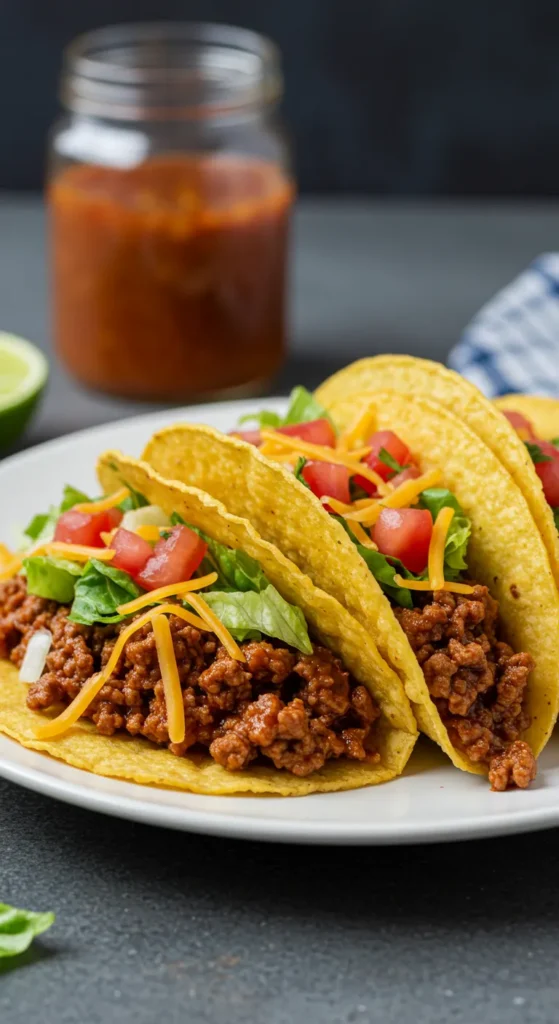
(327, 478)
(392, 444)
(173, 559)
(314, 432)
(405, 533)
(131, 551)
(85, 528)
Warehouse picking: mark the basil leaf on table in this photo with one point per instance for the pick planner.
(99, 592)
(18, 928)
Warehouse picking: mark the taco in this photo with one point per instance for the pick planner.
(415, 526)
(163, 641)
(432, 380)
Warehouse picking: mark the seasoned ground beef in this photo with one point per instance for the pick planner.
(476, 681)
(294, 710)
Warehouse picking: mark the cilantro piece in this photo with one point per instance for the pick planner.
(535, 453)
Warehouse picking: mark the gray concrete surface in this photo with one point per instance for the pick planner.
(157, 925)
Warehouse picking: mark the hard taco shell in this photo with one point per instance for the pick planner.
(125, 757)
(507, 553)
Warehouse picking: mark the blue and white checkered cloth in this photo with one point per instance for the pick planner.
(512, 344)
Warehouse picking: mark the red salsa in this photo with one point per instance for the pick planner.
(169, 278)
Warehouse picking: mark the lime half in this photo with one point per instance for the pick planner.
(23, 375)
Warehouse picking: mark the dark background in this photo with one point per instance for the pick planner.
(402, 97)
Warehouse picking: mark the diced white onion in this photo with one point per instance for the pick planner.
(35, 656)
(149, 515)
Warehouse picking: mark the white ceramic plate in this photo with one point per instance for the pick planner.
(431, 802)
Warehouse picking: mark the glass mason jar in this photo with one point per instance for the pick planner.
(169, 195)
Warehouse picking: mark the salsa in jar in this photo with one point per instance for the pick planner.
(169, 278)
(169, 195)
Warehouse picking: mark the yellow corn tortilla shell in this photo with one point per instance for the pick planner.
(422, 377)
(126, 757)
(506, 554)
(542, 412)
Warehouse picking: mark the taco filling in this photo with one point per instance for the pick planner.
(104, 616)
(413, 535)
(544, 455)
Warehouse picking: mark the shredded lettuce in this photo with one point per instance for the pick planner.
(98, 593)
(252, 614)
(42, 526)
(52, 578)
(18, 928)
(302, 408)
(243, 598)
(133, 501)
(298, 471)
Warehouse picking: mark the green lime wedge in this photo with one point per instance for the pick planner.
(23, 375)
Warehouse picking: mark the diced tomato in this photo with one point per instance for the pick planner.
(548, 472)
(131, 551)
(250, 436)
(390, 441)
(315, 432)
(327, 478)
(173, 559)
(411, 473)
(75, 527)
(522, 425)
(405, 533)
(115, 517)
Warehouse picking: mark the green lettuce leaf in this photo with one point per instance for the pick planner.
(265, 418)
(99, 592)
(302, 408)
(52, 578)
(243, 598)
(251, 615)
(535, 453)
(298, 471)
(41, 527)
(555, 512)
(384, 569)
(18, 928)
(133, 501)
(456, 547)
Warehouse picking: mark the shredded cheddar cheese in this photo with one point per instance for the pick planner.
(74, 552)
(363, 427)
(172, 590)
(436, 548)
(450, 587)
(217, 627)
(10, 564)
(149, 532)
(104, 504)
(321, 453)
(169, 677)
(11, 568)
(401, 497)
